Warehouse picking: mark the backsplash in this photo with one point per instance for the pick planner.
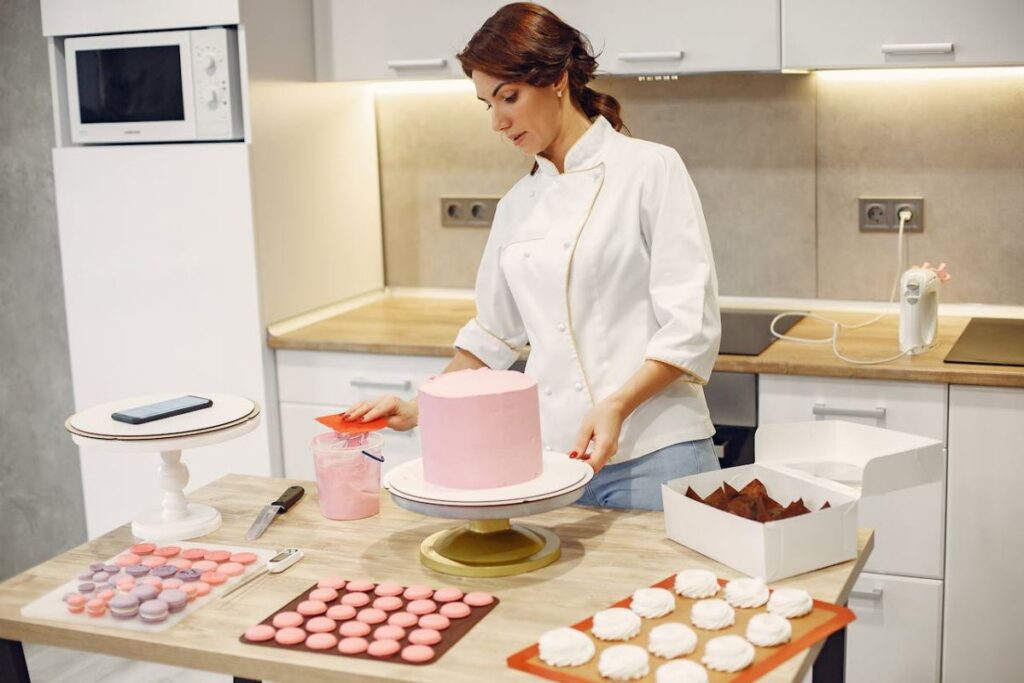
(779, 161)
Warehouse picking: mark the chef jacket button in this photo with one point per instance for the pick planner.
(579, 386)
(547, 391)
(533, 192)
(547, 448)
(561, 327)
(566, 245)
(526, 254)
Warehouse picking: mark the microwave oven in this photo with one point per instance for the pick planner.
(161, 86)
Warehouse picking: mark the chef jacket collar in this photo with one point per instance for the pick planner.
(585, 152)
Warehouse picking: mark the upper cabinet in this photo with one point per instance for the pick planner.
(385, 39)
(388, 39)
(677, 36)
(825, 34)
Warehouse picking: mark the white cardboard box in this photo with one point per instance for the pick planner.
(817, 461)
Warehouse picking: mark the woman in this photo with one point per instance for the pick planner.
(600, 259)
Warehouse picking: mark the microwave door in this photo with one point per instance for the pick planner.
(133, 88)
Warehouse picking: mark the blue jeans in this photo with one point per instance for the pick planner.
(636, 484)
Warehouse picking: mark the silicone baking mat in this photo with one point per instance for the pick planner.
(824, 620)
(449, 636)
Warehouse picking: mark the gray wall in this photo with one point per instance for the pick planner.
(40, 482)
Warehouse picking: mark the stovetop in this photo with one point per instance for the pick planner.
(748, 333)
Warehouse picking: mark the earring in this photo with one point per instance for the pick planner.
(559, 92)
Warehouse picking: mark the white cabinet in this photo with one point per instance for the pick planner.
(387, 39)
(881, 33)
(315, 383)
(984, 544)
(896, 636)
(677, 36)
(908, 522)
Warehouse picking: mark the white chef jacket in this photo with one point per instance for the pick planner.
(598, 269)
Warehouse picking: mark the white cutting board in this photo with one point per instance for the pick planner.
(52, 607)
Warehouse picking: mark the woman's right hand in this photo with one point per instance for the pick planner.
(402, 415)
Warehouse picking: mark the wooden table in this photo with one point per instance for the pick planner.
(605, 556)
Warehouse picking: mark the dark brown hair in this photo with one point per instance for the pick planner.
(527, 43)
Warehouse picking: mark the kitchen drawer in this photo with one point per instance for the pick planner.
(898, 630)
(336, 380)
(913, 407)
(299, 426)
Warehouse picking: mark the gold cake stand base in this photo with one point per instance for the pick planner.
(490, 547)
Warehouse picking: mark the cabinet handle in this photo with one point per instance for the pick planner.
(400, 385)
(917, 48)
(873, 595)
(822, 410)
(399, 64)
(671, 55)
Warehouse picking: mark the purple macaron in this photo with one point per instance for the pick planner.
(144, 591)
(123, 606)
(152, 611)
(137, 570)
(189, 574)
(174, 598)
(86, 587)
(111, 568)
(165, 571)
(96, 566)
(86, 575)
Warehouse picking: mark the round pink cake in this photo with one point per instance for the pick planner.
(480, 429)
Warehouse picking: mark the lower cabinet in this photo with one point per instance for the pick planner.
(898, 632)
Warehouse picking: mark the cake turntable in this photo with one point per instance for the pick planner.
(489, 544)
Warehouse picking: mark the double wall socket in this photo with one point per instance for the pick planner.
(883, 214)
(474, 212)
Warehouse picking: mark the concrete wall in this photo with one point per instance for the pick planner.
(40, 483)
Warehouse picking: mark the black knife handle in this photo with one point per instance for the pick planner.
(290, 497)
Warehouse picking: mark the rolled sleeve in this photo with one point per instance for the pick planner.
(683, 282)
(497, 334)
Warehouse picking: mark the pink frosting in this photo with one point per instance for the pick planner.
(480, 429)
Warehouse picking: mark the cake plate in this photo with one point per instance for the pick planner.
(489, 544)
(177, 519)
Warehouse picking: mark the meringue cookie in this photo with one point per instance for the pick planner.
(696, 583)
(790, 602)
(768, 630)
(652, 603)
(623, 663)
(566, 647)
(728, 653)
(616, 623)
(672, 640)
(746, 592)
(712, 614)
(681, 671)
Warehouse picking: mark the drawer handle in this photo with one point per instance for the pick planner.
(671, 55)
(399, 385)
(917, 49)
(399, 64)
(822, 410)
(873, 595)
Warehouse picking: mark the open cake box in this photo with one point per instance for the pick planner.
(826, 460)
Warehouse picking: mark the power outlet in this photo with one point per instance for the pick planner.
(881, 214)
(474, 212)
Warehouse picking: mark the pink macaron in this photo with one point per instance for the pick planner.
(389, 632)
(321, 641)
(418, 592)
(355, 599)
(244, 558)
(311, 608)
(335, 582)
(153, 561)
(323, 594)
(438, 622)
(448, 594)
(354, 629)
(321, 625)
(383, 648)
(260, 633)
(202, 588)
(213, 578)
(455, 610)
(352, 646)
(193, 554)
(143, 548)
(371, 616)
(231, 569)
(205, 565)
(126, 560)
(388, 603)
(167, 551)
(425, 636)
(290, 636)
(478, 599)
(388, 588)
(217, 555)
(341, 612)
(403, 619)
(417, 654)
(421, 607)
(360, 585)
(287, 620)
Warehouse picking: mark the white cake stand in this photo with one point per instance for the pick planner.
(177, 518)
(490, 544)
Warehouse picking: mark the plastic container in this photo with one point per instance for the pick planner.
(348, 474)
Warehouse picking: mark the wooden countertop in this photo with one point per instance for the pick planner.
(598, 567)
(427, 327)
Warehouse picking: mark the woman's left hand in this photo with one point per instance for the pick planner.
(602, 426)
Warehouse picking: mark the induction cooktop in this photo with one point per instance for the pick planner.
(748, 333)
(990, 341)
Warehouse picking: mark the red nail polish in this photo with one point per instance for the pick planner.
(585, 456)
(573, 454)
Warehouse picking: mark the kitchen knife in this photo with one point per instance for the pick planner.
(267, 513)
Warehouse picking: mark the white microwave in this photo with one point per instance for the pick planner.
(165, 86)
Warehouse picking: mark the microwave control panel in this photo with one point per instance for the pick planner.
(216, 83)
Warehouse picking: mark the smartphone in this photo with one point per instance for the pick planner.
(158, 411)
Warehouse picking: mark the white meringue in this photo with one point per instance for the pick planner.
(746, 592)
(696, 583)
(790, 602)
(681, 671)
(712, 614)
(566, 647)
(672, 640)
(623, 663)
(768, 630)
(616, 623)
(728, 653)
(652, 603)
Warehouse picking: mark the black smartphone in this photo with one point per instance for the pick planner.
(158, 411)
